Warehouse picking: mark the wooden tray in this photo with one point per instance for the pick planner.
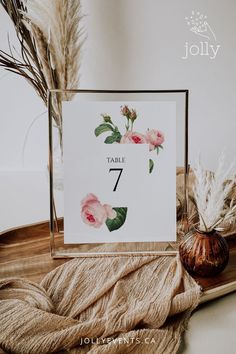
(24, 252)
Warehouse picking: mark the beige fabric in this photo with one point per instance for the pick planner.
(138, 305)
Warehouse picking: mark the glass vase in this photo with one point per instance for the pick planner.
(204, 253)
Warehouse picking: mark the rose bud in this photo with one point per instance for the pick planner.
(125, 111)
(133, 115)
(106, 118)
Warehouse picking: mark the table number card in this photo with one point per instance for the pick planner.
(119, 171)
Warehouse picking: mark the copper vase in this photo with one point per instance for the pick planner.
(204, 253)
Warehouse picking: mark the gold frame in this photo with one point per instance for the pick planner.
(55, 222)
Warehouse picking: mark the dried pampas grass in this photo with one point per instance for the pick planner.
(211, 192)
(57, 22)
(50, 35)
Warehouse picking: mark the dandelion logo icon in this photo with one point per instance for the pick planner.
(198, 24)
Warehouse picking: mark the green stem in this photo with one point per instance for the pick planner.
(132, 124)
(127, 126)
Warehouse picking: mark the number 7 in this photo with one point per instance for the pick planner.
(116, 169)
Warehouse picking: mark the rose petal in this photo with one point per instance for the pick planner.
(89, 198)
(111, 213)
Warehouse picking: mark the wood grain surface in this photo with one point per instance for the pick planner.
(24, 252)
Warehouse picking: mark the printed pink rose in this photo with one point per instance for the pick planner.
(94, 213)
(133, 138)
(155, 138)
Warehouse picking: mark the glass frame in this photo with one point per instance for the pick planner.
(57, 247)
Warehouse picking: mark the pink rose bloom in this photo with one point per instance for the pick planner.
(94, 213)
(155, 138)
(133, 138)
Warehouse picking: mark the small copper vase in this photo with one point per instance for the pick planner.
(204, 253)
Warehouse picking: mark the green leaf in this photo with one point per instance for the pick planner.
(151, 165)
(116, 223)
(161, 147)
(118, 137)
(102, 128)
(110, 139)
(114, 138)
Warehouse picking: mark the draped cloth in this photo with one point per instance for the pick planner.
(99, 305)
(107, 305)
